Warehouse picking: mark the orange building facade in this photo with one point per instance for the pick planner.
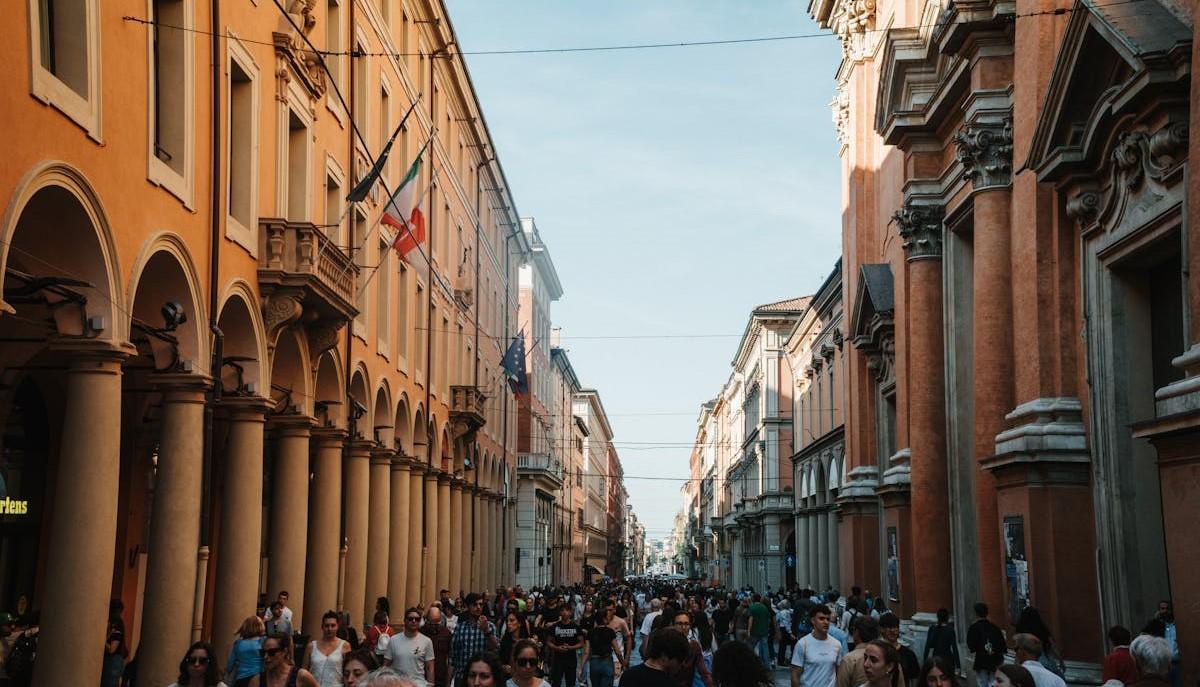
(219, 379)
(1021, 425)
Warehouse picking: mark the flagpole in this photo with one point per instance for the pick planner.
(383, 257)
(360, 190)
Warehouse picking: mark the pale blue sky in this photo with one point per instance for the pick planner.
(676, 189)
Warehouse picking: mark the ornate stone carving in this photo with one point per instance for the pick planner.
(985, 151)
(281, 309)
(294, 58)
(838, 338)
(322, 336)
(1137, 153)
(840, 105)
(1084, 206)
(920, 228)
(852, 21)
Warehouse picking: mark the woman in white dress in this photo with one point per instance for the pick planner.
(324, 656)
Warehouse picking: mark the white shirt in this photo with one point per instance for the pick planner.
(648, 622)
(409, 656)
(1041, 676)
(819, 659)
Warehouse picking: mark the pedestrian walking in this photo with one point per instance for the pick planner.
(851, 671)
(279, 670)
(411, 653)
(1153, 657)
(244, 660)
(357, 666)
(986, 642)
(279, 616)
(1030, 622)
(565, 638)
(1028, 650)
(525, 665)
(736, 665)
(437, 632)
(665, 653)
(598, 653)
(758, 628)
(816, 655)
(199, 668)
(324, 656)
(1119, 664)
(941, 640)
(910, 667)
(693, 671)
(1013, 676)
(937, 672)
(881, 663)
(472, 634)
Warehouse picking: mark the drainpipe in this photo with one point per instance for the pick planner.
(478, 300)
(214, 268)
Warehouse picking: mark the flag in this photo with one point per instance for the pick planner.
(514, 364)
(403, 213)
(362, 188)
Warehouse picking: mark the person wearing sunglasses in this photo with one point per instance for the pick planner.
(199, 668)
(525, 665)
(410, 653)
(278, 669)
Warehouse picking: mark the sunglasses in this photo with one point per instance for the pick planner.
(527, 662)
(273, 651)
(198, 660)
(413, 619)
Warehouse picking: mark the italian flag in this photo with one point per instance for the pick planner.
(403, 213)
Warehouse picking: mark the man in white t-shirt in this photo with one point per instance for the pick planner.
(816, 656)
(648, 624)
(411, 653)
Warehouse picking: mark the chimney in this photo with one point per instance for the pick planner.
(555, 336)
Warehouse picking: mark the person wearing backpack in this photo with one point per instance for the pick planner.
(379, 634)
(986, 640)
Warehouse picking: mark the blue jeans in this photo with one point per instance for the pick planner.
(600, 669)
(762, 648)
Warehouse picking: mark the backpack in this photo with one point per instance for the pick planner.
(381, 644)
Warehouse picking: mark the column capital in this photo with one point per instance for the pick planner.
(291, 424)
(100, 355)
(329, 435)
(430, 475)
(444, 478)
(382, 456)
(985, 149)
(181, 387)
(360, 448)
(245, 408)
(920, 227)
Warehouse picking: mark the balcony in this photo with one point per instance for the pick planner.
(539, 465)
(298, 258)
(466, 411)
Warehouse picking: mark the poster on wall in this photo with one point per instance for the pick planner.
(893, 565)
(1016, 567)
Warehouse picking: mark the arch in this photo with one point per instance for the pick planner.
(329, 396)
(383, 427)
(420, 434)
(402, 436)
(835, 470)
(449, 461)
(360, 382)
(243, 336)
(163, 273)
(291, 385)
(820, 487)
(53, 193)
(434, 454)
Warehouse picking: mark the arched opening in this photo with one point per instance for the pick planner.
(243, 351)
(382, 424)
(329, 406)
(24, 470)
(403, 439)
(420, 435)
(361, 420)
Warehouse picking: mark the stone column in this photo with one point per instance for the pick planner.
(445, 534)
(399, 547)
(174, 527)
(240, 547)
(454, 540)
(920, 228)
(416, 533)
(357, 507)
(288, 542)
(466, 583)
(324, 529)
(985, 148)
(485, 541)
(801, 529)
(84, 524)
(822, 579)
(834, 551)
(429, 588)
(379, 530)
(814, 550)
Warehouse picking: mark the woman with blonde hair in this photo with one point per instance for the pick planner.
(244, 659)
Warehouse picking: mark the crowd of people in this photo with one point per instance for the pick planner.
(640, 633)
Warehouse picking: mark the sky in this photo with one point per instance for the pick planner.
(675, 188)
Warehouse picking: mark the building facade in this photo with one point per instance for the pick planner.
(814, 351)
(221, 381)
(596, 446)
(1021, 374)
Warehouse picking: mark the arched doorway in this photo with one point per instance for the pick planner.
(24, 466)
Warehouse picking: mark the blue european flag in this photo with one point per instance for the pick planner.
(514, 364)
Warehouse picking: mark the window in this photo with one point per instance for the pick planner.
(171, 88)
(333, 209)
(241, 177)
(361, 88)
(444, 355)
(402, 331)
(421, 332)
(333, 43)
(383, 296)
(358, 251)
(385, 121)
(297, 168)
(66, 62)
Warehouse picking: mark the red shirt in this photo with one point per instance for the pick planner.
(1119, 665)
